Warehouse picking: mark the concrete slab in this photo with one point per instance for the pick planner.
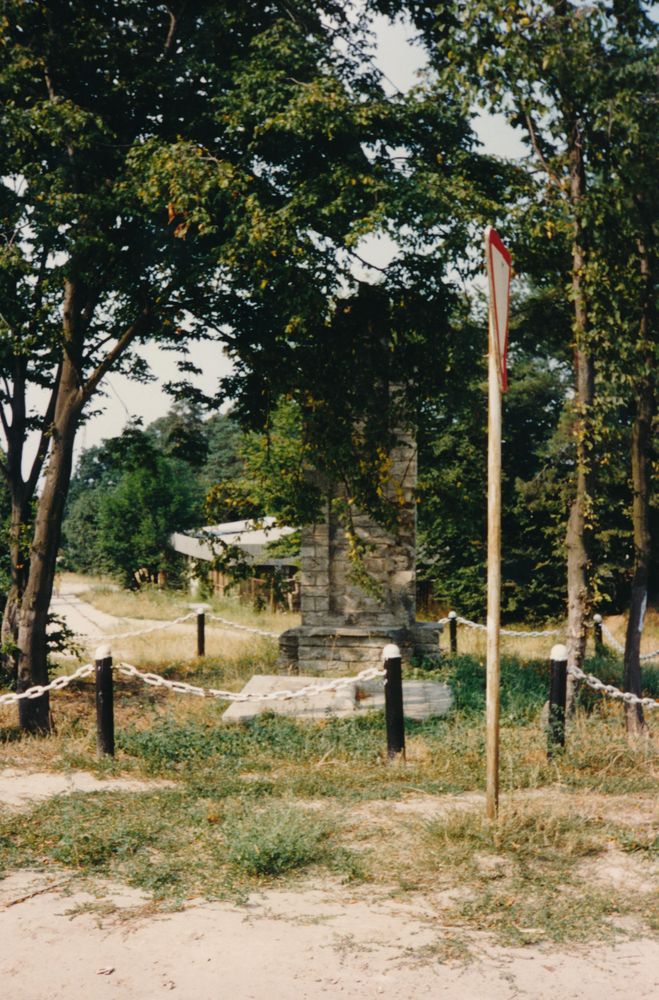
(421, 699)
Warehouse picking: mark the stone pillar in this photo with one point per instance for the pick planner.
(345, 624)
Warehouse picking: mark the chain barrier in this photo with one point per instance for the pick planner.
(38, 690)
(619, 648)
(611, 639)
(338, 683)
(244, 628)
(541, 633)
(143, 631)
(504, 631)
(180, 687)
(610, 691)
(107, 636)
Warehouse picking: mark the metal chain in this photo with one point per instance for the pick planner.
(179, 687)
(38, 690)
(610, 690)
(619, 648)
(178, 621)
(504, 631)
(611, 639)
(144, 631)
(244, 628)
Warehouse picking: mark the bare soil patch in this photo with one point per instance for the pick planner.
(311, 943)
(19, 789)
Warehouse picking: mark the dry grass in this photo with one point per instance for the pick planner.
(473, 641)
(153, 604)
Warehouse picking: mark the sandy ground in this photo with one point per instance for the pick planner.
(69, 938)
(57, 942)
(87, 621)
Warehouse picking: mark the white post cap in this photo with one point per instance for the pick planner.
(103, 653)
(391, 652)
(452, 614)
(558, 653)
(597, 619)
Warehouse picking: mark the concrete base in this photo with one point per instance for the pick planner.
(421, 699)
(317, 649)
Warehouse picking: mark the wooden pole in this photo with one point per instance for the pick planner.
(393, 702)
(104, 702)
(453, 631)
(493, 577)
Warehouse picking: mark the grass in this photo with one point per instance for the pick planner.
(277, 799)
(172, 649)
(154, 604)
(526, 878)
(472, 642)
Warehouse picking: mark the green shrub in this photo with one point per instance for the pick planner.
(276, 840)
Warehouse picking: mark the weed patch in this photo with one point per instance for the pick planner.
(521, 874)
(277, 839)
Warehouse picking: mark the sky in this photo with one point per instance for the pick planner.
(400, 60)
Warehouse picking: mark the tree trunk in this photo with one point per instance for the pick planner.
(578, 531)
(19, 562)
(642, 545)
(640, 467)
(34, 714)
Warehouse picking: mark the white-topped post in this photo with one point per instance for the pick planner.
(104, 701)
(393, 702)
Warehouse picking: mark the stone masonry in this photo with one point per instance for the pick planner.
(343, 624)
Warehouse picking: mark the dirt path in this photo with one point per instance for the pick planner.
(93, 627)
(62, 941)
(63, 937)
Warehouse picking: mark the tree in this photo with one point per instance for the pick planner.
(566, 74)
(169, 173)
(138, 516)
(126, 498)
(453, 466)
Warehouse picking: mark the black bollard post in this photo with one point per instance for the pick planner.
(393, 702)
(104, 702)
(557, 699)
(453, 631)
(201, 633)
(599, 641)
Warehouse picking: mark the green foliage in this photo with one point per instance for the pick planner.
(209, 172)
(452, 480)
(276, 840)
(273, 476)
(126, 500)
(524, 686)
(578, 84)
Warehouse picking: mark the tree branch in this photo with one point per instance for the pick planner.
(120, 346)
(42, 449)
(537, 148)
(366, 263)
(171, 34)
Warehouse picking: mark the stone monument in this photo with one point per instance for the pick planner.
(345, 625)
